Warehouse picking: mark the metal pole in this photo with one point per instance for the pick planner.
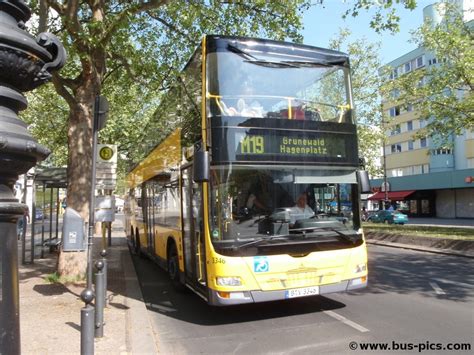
(51, 190)
(92, 198)
(109, 233)
(42, 220)
(87, 323)
(385, 184)
(99, 300)
(57, 212)
(103, 254)
(33, 215)
(9, 301)
(25, 225)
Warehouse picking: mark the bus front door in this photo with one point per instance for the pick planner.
(193, 228)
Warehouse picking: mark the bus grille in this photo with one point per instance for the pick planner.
(298, 279)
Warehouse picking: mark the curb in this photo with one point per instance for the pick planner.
(420, 248)
(139, 330)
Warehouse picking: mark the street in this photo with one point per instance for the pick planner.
(413, 298)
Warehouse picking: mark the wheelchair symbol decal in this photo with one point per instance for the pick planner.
(260, 264)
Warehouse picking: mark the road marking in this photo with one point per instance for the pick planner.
(438, 290)
(453, 282)
(457, 283)
(346, 321)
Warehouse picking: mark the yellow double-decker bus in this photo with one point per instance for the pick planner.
(254, 194)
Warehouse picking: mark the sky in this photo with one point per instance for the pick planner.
(322, 22)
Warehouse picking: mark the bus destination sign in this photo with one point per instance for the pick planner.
(260, 145)
(255, 144)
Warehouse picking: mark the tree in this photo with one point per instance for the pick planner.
(442, 93)
(366, 83)
(139, 45)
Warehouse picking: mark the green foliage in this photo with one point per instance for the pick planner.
(442, 92)
(47, 116)
(385, 17)
(366, 82)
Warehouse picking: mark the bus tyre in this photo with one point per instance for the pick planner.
(173, 268)
(138, 249)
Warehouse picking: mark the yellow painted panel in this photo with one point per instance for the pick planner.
(285, 271)
(413, 157)
(469, 148)
(165, 155)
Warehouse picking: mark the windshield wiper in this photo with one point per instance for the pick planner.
(259, 240)
(343, 235)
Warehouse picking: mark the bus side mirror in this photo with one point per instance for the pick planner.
(201, 166)
(364, 183)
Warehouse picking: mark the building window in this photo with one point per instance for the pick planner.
(396, 130)
(407, 67)
(423, 142)
(442, 151)
(410, 126)
(420, 61)
(394, 111)
(470, 163)
(422, 123)
(409, 108)
(425, 169)
(410, 145)
(396, 148)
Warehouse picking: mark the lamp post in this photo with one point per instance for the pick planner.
(26, 62)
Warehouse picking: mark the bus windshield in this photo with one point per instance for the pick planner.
(252, 204)
(252, 83)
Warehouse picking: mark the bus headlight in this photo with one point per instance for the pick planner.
(360, 268)
(228, 281)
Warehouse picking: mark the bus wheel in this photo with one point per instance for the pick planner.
(173, 268)
(138, 249)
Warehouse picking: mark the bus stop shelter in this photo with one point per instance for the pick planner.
(47, 182)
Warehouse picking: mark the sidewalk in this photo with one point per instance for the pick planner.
(50, 313)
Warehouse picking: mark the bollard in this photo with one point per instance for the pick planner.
(87, 323)
(99, 300)
(103, 254)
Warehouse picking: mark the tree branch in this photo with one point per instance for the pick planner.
(132, 10)
(170, 26)
(60, 86)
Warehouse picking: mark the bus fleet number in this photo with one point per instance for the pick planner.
(252, 145)
(218, 261)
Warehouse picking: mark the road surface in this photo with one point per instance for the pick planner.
(415, 299)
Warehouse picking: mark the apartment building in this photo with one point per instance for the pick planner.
(425, 179)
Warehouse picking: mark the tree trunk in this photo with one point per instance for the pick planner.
(73, 265)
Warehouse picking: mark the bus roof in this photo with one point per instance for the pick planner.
(300, 52)
(158, 161)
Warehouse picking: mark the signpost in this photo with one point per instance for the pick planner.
(106, 169)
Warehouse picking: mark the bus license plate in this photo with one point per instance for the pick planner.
(302, 292)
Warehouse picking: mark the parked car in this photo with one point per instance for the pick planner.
(389, 217)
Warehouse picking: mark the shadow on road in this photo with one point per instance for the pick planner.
(160, 297)
(406, 272)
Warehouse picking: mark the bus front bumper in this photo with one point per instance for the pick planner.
(241, 297)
